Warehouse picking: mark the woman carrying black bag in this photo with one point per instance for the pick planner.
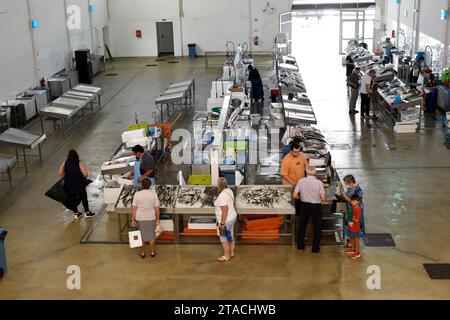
(75, 176)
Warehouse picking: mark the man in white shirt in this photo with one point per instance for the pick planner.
(365, 90)
(311, 192)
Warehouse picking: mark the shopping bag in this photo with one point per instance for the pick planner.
(57, 192)
(135, 238)
(158, 231)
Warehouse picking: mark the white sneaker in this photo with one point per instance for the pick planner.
(78, 215)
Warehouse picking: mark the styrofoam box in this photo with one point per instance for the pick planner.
(119, 165)
(111, 195)
(134, 134)
(317, 162)
(142, 141)
(210, 222)
(124, 181)
(167, 225)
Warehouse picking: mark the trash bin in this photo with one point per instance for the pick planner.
(192, 50)
(3, 268)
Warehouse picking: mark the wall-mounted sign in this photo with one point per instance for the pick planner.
(444, 14)
(91, 7)
(34, 24)
(138, 34)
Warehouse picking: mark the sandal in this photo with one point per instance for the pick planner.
(142, 255)
(153, 255)
(222, 259)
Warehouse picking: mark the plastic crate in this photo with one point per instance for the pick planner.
(200, 180)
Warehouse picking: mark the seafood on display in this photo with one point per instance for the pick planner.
(127, 196)
(209, 196)
(189, 196)
(196, 196)
(166, 195)
(265, 196)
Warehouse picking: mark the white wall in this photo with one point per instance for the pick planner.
(431, 28)
(27, 55)
(16, 55)
(208, 23)
(52, 47)
(128, 16)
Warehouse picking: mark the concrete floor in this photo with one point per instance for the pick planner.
(403, 176)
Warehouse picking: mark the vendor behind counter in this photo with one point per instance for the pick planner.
(430, 91)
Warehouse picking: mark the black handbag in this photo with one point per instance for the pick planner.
(57, 192)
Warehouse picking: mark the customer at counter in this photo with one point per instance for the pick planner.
(144, 166)
(353, 83)
(352, 188)
(430, 91)
(366, 80)
(145, 214)
(350, 66)
(374, 99)
(226, 218)
(311, 192)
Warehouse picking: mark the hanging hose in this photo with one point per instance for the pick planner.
(244, 48)
(230, 53)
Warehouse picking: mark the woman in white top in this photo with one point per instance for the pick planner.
(226, 219)
(145, 214)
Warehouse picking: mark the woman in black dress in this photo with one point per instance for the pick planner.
(257, 86)
(75, 176)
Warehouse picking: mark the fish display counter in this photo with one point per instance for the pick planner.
(195, 199)
(264, 199)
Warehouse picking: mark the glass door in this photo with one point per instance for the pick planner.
(357, 25)
(286, 27)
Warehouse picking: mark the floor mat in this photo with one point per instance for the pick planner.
(111, 74)
(160, 59)
(152, 65)
(378, 240)
(438, 271)
(173, 61)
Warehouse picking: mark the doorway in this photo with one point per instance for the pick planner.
(356, 25)
(164, 35)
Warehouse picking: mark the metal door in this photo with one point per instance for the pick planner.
(286, 27)
(164, 32)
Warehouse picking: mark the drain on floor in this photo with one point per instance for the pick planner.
(343, 146)
(111, 74)
(378, 240)
(152, 65)
(438, 271)
(173, 61)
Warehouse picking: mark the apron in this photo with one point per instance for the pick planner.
(137, 173)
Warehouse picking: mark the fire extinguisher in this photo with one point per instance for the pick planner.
(42, 83)
(256, 40)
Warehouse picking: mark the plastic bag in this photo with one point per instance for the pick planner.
(158, 231)
(57, 192)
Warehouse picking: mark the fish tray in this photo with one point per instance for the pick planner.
(193, 208)
(282, 207)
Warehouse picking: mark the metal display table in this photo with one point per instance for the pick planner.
(58, 114)
(166, 102)
(7, 162)
(90, 89)
(21, 139)
(190, 83)
(84, 96)
(393, 110)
